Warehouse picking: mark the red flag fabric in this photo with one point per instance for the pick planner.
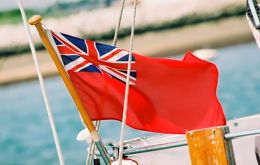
(165, 95)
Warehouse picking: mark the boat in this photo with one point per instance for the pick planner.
(177, 148)
(166, 149)
(154, 150)
(160, 149)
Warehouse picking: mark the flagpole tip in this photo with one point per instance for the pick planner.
(34, 20)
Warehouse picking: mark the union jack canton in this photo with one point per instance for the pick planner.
(80, 55)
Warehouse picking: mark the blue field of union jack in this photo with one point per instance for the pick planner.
(80, 55)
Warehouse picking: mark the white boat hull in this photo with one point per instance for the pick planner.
(244, 147)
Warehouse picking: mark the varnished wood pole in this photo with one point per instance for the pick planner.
(36, 21)
(208, 146)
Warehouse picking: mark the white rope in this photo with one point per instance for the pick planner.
(49, 112)
(92, 146)
(118, 23)
(121, 142)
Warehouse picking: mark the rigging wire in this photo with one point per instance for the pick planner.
(45, 98)
(122, 134)
(118, 23)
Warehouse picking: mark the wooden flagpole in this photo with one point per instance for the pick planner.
(36, 21)
(209, 146)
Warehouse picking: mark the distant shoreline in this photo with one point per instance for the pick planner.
(216, 34)
(16, 43)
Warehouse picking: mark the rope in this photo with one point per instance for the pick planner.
(49, 112)
(92, 146)
(121, 142)
(119, 23)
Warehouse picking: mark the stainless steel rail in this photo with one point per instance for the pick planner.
(150, 149)
(229, 136)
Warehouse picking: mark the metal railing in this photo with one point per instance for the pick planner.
(228, 137)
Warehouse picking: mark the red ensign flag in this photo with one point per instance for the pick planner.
(167, 96)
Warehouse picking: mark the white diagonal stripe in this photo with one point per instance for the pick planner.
(74, 63)
(107, 54)
(118, 56)
(68, 42)
(84, 66)
(114, 74)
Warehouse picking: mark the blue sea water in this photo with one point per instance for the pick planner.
(25, 134)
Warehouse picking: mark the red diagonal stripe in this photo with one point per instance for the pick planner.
(120, 66)
(111, 55)
(65, 50)
(79, 65)
(120, 74)
(116, 65)
(65, 43)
